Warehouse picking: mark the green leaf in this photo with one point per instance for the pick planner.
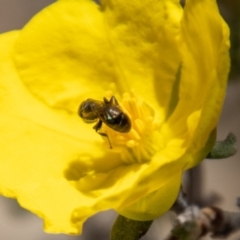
(127, 229)
(224, 149)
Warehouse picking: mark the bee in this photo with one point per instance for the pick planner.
(106, 111)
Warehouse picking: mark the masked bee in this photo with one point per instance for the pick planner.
(108, 112)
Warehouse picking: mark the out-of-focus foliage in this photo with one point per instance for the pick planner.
(230, 10)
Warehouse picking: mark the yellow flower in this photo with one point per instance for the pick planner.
(167, 67)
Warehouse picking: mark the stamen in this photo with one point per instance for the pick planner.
(113, 86)
(131, 143)
(119, 138)
(139, 125)
(108, 94)
(134, 134)
(142, 141)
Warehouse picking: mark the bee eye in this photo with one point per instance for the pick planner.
(82, 109)
(86, 112)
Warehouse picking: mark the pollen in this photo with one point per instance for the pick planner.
(143, 140)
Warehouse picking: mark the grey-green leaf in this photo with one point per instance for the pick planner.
(127, 229)
(224, 149)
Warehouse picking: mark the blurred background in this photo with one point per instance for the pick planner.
(213, 182)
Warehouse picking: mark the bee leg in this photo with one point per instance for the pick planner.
(105, 135)
(97, 128)
(98, 125)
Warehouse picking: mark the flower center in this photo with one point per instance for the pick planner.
(143, 140)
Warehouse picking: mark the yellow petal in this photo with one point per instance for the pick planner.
(218, 65)
(38, 146)
(205, 65)
(154, 204)
(42, 148)
(149, 181)
(41, 151)
(58, 167)
(73, 50)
